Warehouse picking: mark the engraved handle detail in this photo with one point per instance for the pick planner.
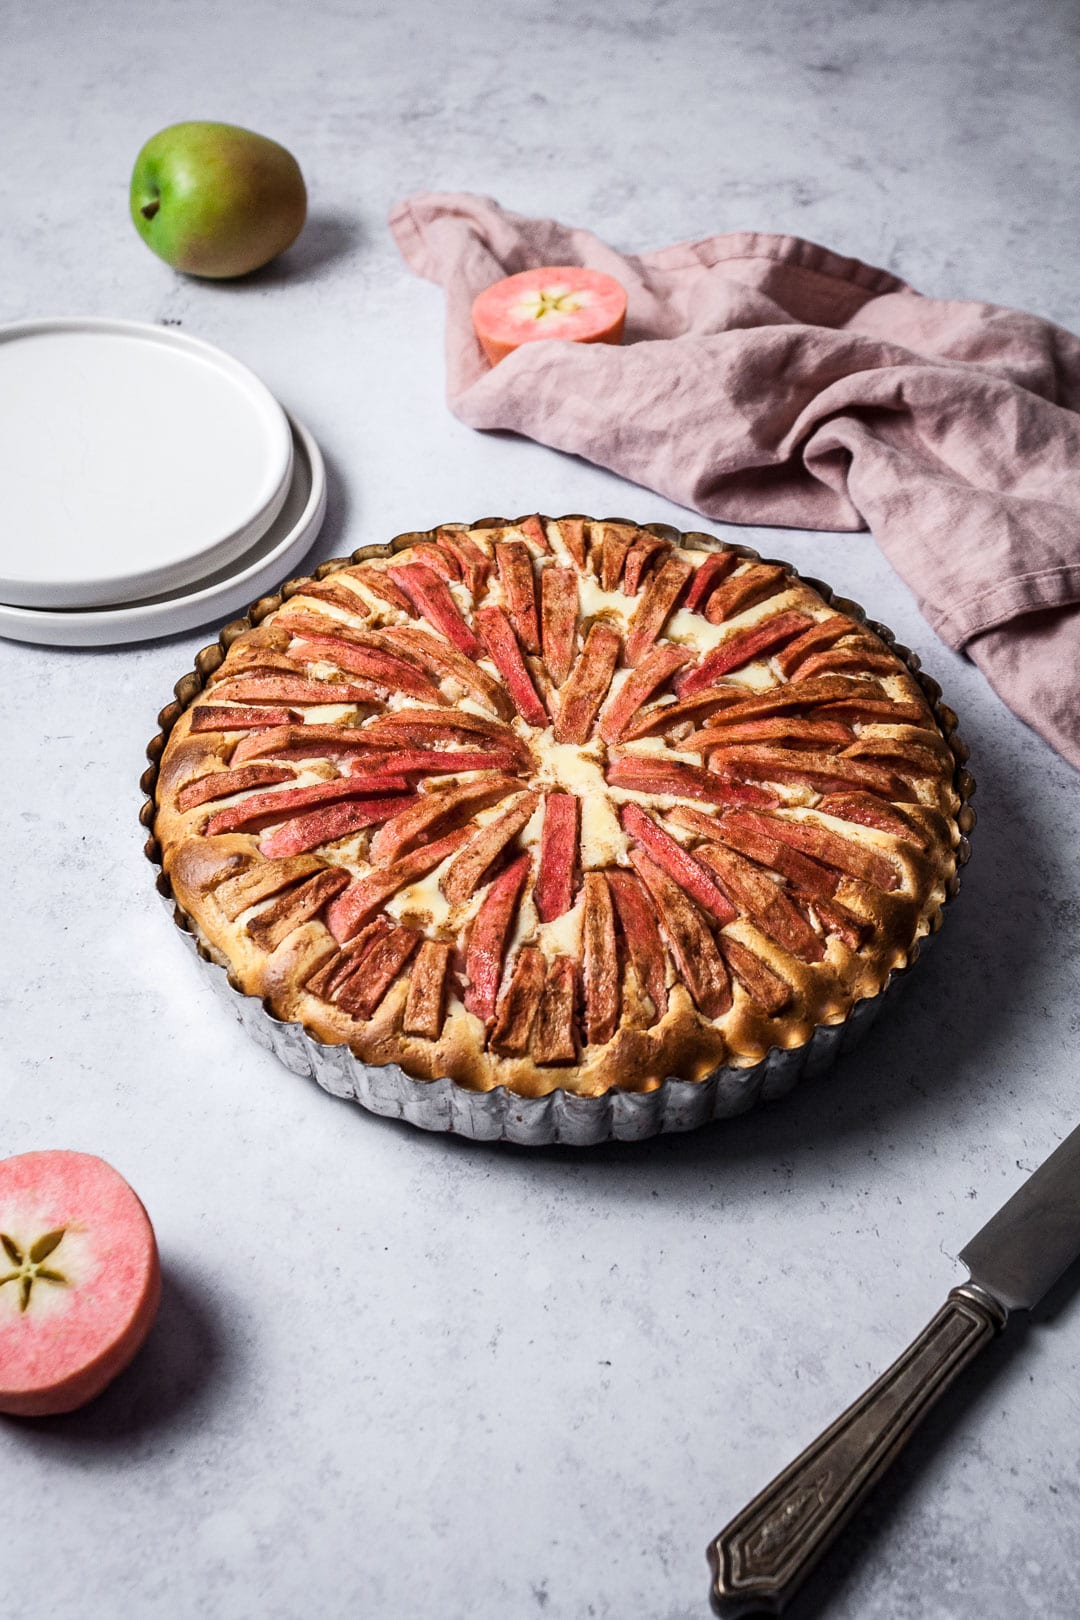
(765, 1553)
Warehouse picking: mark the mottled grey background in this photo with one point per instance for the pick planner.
(398, 1376)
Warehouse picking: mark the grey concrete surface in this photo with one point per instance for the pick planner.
(398, 1376)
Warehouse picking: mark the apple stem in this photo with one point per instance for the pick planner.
(148, 210)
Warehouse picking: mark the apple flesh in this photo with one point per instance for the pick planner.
(216, 200)
(79, 1280)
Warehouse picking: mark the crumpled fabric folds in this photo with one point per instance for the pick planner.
(767, 380)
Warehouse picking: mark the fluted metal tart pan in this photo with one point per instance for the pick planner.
(560, 1116)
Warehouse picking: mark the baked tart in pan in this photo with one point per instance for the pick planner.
(558, 805)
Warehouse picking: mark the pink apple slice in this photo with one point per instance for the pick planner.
(475, 565)
(291, 689)
(363, 990)
(740, 649)
(554, 1036)
(475, 859)
(436, 762)
(587, 685)
(221, 717)
(357, 904)
(425, 1008)
(221, 784)
(519, 588)
(708, 574)
(657, 666)
(430, 594)
(637, 919)
(755, 584)
(558, 620)
(262, 809)
(554, 892)
(490, 931)
(677, 862)
(519, 1004)
(600, 961)
(435, 813)
(284, 915)
(330, 822)
(657, 602)
(505, 654)
(700, 964)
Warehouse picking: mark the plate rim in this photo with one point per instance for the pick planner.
(155, 618)
(227, 546)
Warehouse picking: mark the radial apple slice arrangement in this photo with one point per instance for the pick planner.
(558, 803)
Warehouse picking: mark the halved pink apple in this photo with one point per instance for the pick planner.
(79, 1280)
(557, 301)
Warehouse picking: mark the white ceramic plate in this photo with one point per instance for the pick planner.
(134, 460)
(262, 567)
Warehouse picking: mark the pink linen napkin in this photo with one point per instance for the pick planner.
(766, 380)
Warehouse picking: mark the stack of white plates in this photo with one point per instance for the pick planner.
(149, 483)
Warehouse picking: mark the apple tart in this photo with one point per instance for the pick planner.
(559, 804)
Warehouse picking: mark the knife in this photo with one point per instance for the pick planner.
(765, 1553)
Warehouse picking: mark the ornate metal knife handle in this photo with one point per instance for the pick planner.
(766, 1552)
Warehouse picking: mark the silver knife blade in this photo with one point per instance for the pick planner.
(1025, 1247)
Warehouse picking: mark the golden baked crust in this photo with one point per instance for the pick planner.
(559, 804)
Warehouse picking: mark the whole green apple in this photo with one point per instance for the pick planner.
(216, 200)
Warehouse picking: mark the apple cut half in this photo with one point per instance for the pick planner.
(79, 1280)
(556, 301)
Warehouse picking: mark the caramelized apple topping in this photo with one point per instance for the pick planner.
(549, 810)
